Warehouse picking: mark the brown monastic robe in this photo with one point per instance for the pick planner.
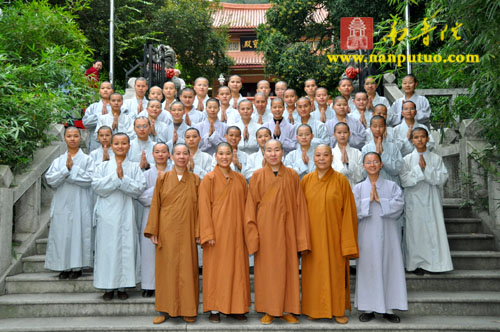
(226, 281)
(276, 229)
(334, 228)
(173, 217)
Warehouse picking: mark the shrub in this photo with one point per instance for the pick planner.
(42, 57)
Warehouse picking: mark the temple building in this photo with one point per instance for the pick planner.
(242, 20)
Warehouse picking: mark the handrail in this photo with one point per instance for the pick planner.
(22, 197)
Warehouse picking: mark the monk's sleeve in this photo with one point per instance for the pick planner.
(153, 225)
(207, 231)
(302, 218)
(197, 212)
(349, 231)
(250, 226)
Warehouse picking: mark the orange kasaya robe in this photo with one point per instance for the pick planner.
(276, 229)
(226, 280)
(334, 231)
(173, 217)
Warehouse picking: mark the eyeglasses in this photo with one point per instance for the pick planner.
(142, 126)
(375, 162)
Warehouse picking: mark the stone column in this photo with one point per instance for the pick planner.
(6, 215)
(391, 90)
(28, 209)
(494, 199)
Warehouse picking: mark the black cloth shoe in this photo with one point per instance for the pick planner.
(148, 292)
(214, 318)
(122, 295)
(64, 275)
(366, 317)
(108, 296)
(240, 317)
(392, 318)
(75, 274)
(419, 272)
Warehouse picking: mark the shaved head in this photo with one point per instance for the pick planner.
(323, 147)
(273, 141)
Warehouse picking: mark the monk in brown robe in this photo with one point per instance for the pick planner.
(276, 229)
(226, 280)
(173, 227)
(334, 228)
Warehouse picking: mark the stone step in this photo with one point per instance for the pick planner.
(452, 210)
(475, 260)
(409, 322)
(471, 241)
(467, 259)
(48, 282)
(34, 263)
(463, 225)
(459, 280)
(476, 303)
(41, 246)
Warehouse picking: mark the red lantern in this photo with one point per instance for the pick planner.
(351, 72)
(170, 73)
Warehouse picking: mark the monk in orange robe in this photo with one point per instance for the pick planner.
(276, 229)
(173, 227)
(334, 227)
(226, 280)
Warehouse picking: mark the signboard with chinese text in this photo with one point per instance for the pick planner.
(248, 43)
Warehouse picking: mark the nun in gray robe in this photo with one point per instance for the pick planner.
(117, 254)
(380, 275)
(70, 236)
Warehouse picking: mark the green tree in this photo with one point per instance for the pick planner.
(477, 35)
(42, 58)
(185, 25)
(290, 22)
(133, 29)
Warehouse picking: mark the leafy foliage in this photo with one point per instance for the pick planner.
(185, 25)
(133, 29)
(477, 35)
(290, 23)
(42, 57)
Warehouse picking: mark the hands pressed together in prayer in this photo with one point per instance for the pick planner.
(69, 162)
(374, 193)
(119, 169)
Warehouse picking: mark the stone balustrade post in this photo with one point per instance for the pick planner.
(27, 209)
(6, 216)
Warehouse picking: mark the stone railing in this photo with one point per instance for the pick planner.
(392, 91)
(480, 184)
(24, 207)
(468, 181)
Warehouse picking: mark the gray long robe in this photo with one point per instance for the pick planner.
(425, 233)
(148, 249)
(70, 236)
(117, 256)
(380, 275)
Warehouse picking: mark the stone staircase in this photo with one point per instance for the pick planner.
(467, 299)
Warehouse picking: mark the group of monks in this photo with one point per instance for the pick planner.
(270, 219)
(151, 207)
